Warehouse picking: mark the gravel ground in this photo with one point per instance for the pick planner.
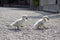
(8, 15)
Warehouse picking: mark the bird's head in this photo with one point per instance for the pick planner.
(25, 17)
(46, 18)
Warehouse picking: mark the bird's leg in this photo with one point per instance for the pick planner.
(45, 27)
(21, 26)
(17, 27)
(39, 27)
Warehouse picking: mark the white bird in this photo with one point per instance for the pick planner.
(40, 23)
(20, 23)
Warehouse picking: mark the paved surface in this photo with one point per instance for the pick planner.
(8, 15)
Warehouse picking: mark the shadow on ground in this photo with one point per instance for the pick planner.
(15, 30)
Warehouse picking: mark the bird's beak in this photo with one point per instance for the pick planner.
(47, 19)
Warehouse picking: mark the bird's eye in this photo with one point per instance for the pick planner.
(48, 18)
(26, 18)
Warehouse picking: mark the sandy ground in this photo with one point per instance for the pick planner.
(8, 15)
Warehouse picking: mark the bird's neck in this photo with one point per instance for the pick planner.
(23, 19)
